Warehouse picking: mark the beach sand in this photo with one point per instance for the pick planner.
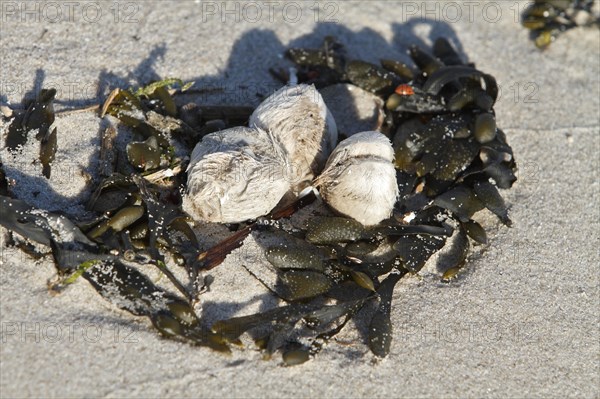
(523, 320)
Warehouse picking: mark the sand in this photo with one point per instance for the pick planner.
(522, 321)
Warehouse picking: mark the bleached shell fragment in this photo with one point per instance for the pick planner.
(359, 179)
(235, 175)
(299, 119)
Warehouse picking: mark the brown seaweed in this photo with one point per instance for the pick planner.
(120, 284)
(548, 19)
(380, 329)
(38, 115)
(3, 181)
(440, 116)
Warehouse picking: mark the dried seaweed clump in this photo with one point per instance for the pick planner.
(547, 19)
(450, 161)
(135, 217)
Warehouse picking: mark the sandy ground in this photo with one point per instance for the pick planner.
(523, 321)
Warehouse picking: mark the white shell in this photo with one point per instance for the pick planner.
(359, 179)
(235, 175)
(298, 117)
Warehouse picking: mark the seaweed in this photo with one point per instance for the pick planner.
(124, 286)
(548, 19)
(380, 329)
(38, 115)
(448, 152)
(450, 160)
(3, 181)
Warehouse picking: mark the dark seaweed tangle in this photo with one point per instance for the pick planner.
(547, 19)
(450, 158)
(138, 220)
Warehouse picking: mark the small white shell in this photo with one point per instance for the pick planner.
(298, 117)
(235, 175)
(359, 179)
